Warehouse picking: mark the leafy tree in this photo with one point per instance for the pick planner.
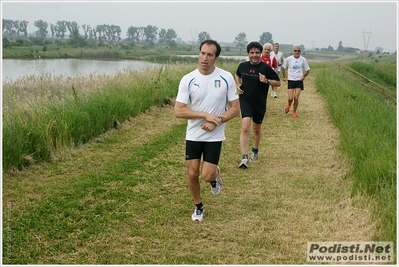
(21, 27)
(59, 29)
(241, 39)
(42, 28)
(8, 27)
(37, 40)
(52, 30)
(133, 33)
(100, 29)
(150, 33)
(87, 31)
(379, 50)
(202, 36)
(93, 34)
(302, 47)
(15, 27)
(72, 27)
(6, 43)
(172, 44)
(141, 34)
(162, 36)
(170, 35)
(330, 48)
(266, 37)
(112, 32)
(76, 39)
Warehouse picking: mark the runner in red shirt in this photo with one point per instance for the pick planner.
(269, 60)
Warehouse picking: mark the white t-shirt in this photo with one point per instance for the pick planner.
(207, 93)
(278, 57)
(295, 67)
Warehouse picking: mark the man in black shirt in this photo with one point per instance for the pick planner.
(253, 78)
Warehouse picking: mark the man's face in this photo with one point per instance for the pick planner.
(297, 51)
(254, 56)
(207, 56)
(276, 47)
(266, 51)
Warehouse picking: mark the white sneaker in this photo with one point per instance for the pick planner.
(275, 94)
(244, 163)
(272, 94)
(198, 215)
(217, 187)
(254, 157)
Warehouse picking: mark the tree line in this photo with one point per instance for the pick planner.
(106, 32)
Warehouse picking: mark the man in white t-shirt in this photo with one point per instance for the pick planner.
(207, 97)
(280, 60)
(295, 64)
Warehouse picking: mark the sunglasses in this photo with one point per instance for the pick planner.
(297, 50)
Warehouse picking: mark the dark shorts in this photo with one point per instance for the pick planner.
(248, 111)
(295, 84)
(210, 151)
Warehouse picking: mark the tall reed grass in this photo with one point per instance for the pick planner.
(367, 125)
(385, 73)
(46, 113)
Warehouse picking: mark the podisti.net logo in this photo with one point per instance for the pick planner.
(376, 252)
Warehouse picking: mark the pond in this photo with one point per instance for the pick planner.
(13, 69)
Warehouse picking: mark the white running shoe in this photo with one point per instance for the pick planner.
(254, 157)
(216, 186)
(244, 163)
(198, 215)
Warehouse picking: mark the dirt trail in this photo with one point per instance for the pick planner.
(298, 178)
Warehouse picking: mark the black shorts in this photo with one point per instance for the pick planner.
(248, 111)
(295, 84)
(210, 151)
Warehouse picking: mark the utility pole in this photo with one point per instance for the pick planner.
(366, 39)
(194, 37)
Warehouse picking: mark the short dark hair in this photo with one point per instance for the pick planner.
(212, 42)
(254, 45)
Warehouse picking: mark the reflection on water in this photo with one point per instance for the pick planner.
(13, 69)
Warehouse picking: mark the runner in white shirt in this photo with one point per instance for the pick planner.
(295, 64)
(280, 60)
(207, 97)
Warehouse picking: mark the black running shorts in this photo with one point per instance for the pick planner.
(210, 151)
(295, 84)
(248, 111)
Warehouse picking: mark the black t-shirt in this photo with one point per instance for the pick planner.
(255, 92)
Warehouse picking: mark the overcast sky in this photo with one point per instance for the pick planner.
(311, 23)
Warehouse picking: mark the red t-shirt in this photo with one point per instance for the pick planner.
(269, 62)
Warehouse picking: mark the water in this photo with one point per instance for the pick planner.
(13, 69)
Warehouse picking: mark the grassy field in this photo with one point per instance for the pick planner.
(111, 189)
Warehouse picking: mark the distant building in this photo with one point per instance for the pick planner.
(289, 47)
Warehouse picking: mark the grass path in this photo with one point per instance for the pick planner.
(123, 198)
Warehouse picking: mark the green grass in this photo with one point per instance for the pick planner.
(385, 74)
(367, 125)
(51, 123)
(63, 207)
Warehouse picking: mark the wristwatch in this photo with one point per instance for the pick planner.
(268, 80)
